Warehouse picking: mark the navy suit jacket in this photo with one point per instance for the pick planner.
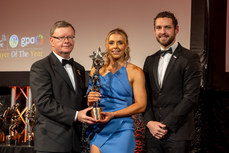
(173, 103)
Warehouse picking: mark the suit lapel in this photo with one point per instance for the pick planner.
(155, 69)
(172, 61)
(78, 77)
(57, 66)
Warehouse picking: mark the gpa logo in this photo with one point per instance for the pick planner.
(38, 40)
(13, 41)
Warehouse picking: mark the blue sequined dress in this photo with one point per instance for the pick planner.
(117, 136)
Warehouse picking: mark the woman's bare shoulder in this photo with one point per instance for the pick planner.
(133, 68)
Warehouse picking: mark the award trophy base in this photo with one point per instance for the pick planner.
(29, 140)
(96, 113)
(10, 140)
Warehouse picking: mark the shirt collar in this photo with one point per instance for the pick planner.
(58, 56)
(173, 47)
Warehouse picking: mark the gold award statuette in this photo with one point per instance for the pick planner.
(98, 62)
(96, 113)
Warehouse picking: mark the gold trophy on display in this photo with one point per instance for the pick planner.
(30, 115)
(98, 62)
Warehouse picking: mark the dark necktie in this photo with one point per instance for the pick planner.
(163, 52)
(70, 61)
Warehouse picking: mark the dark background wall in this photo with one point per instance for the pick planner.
(208, 38)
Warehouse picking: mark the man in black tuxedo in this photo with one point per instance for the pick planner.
(57, 85)
(173, 77)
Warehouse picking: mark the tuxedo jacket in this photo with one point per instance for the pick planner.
(56, 105)
(173, 103)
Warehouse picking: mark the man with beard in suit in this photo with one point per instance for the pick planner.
(57, 85)
(173, 77)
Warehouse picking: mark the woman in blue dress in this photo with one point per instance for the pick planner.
(122, 95)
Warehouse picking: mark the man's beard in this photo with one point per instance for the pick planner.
(167, 43)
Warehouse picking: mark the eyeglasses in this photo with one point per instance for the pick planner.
(63, 38)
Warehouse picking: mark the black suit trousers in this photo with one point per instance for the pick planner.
(168, 146)
(54, 152)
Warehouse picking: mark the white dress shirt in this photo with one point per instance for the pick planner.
(163, 63)
(69, 70)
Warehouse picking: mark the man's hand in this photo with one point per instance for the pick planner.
(82, 116)
(157, 129)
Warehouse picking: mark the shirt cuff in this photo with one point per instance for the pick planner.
(75, 119)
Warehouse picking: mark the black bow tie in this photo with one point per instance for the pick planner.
(163, 52)
(70, 61)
